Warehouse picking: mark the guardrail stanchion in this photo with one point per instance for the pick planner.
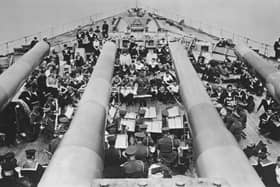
(25, 39)
(7, 47)
(221, 33)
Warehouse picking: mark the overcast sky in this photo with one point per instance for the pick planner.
(258, 19)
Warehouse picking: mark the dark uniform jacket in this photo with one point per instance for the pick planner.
(166, 144)
(32, 170)
(142, 152)
(112, 163)
(10, 182)
(166, 147)
(105, 27)
(112, 157)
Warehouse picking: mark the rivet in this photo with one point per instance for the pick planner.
(180, 184)
(142, 184)
(104, 184)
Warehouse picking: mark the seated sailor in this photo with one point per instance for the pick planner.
(31, 168)
(142, 151)
(167, 146)
(9, 175)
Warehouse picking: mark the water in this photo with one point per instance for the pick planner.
(254, 18)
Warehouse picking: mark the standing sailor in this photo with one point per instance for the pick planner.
(133, 168)
(142, 151)
(167, 146)
(105, 29)
(277, 49)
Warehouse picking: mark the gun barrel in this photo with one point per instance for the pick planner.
(14, 77)
(217, 153)
(79, 157)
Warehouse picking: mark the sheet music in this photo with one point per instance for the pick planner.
(121, 141)
(154, 126)
(253, 161)
(129, 123)
(150, 112)
(69, 112)
(175, 123)
(112, 111)
(265, 162)
(174, 111)
(62, 64)
(142, 96)
(130, 115)
(277, 123)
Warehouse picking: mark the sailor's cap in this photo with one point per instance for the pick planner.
(131, 150)
(164, 113)
(30, 152)
(111, 138)
(122, 112)
(143, 126)
(139, 135)
(9, 155)
(142, 112)
(165, 129)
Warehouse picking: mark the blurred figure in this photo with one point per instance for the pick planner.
(112, 159)
(105, 29)
(34, 42)
(9, 175)
(277, 170)
(133, 168)
(277, 49)
(31, 168)
(166, 147)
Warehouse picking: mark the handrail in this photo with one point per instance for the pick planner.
(265, 48)
(8, 46)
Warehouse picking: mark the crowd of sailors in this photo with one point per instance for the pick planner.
(45, 106)
(144, 72)
(143, 78)
(234, 90)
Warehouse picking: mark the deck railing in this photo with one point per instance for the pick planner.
(8, 47)
(264, 48)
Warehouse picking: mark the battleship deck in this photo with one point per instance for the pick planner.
(170, 32)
